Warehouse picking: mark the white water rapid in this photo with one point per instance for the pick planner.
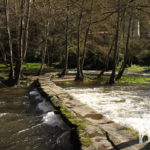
(49, 117)
(126, 105)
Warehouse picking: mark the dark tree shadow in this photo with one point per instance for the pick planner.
(127, 144)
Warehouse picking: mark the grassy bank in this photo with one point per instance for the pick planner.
(33, 68)
(28, 69)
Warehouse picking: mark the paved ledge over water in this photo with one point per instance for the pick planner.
(94, 130)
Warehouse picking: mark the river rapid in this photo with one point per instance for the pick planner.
(126, 105)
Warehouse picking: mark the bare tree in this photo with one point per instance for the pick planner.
(106, 61)
(85, 39)
(23, 27)
(124, 64)
(78, 75)
(47, 26)
(112, 77)
(7, 7)
(66, 40)
(45, 48)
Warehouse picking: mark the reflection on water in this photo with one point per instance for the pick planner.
(127, 105)
(25, 126)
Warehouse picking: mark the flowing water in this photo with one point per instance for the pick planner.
(30, 124)
(126, 105)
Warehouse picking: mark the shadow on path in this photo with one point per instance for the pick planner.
(127, 144)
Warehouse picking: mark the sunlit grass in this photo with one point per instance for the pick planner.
(25, 66)
(32, 65)
(134, 80)
(4, 75)
(3, 66)
(137, 68)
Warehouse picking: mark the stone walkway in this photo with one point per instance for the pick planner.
(104, 134)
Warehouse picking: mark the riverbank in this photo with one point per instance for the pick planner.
(95, 131)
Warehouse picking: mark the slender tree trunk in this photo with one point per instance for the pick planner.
(84, 50)
(22, 35)
(7, 5)
(48, 61)
(112, 77)
(19, 63)
(85, 41)
(52, 51)
(66, 41)
(124, 64)
(78, 75)
(44, 51)
(46, 40)
(106, 63)
(26, 35)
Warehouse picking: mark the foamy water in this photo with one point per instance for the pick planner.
(52, 119)
(44, 106)
(49, 117)
(2, 114)
(126, 105)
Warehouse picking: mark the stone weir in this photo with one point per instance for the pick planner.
(95, 132)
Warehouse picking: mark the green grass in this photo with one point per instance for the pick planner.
(67, 83)
(25, 66)
(4, 75)
(134, 80)
(128, 80)
(134, 132)
(32, 65)
(3, 66)
(137, 68)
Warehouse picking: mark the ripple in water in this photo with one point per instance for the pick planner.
(25, 126)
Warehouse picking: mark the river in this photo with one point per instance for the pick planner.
(28, 122)
(127, 105)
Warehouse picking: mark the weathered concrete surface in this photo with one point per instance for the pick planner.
(104, 134)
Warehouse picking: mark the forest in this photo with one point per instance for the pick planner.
(74, 74)
(80, 34)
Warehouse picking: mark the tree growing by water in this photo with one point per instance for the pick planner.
(78, 34)
(22, 16)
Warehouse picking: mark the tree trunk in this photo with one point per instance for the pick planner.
(11, 72)
(78, 75)
(124, 64)
(46, 40)
(84, 50)
(106, 63)
(52, 51)
(112, 77)
(66, 41)
(19, 62)
(44, 51)
(26, 35)
(48, 59)
(85, 41)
